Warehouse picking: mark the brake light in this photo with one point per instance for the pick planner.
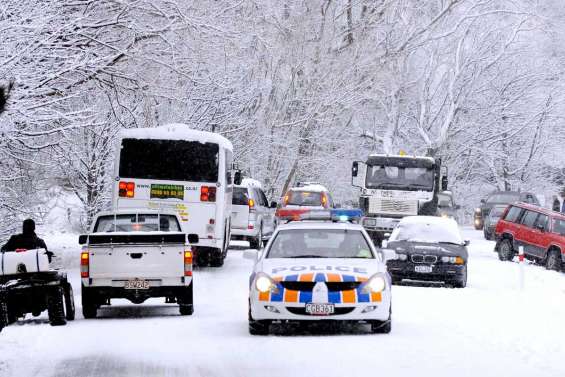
(84, 264)
(251, 203)
(126, 189)
(285, 199)
(208, 194)
(188, 263)
(290, 214)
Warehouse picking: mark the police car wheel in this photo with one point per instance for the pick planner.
(381, 327)
(56, 308)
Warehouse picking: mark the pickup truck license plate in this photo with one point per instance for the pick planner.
(137, 284)
(320, 309)
(423, 269)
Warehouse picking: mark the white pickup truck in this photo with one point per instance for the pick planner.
(136, 255)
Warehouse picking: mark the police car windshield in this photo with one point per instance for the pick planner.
(320, 243)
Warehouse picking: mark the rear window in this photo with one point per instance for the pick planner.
(173, 160)
(137, 223)
(513, 214)
(240, 197)
(559, 227)
(304, 198)
(529, 218)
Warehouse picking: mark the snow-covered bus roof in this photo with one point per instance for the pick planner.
(176, 131)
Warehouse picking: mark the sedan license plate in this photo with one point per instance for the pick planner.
(423, 269)
(137, 284)
(320, 309)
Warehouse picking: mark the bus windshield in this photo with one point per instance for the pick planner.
(173, 160)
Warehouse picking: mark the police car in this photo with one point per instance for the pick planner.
(322, 267)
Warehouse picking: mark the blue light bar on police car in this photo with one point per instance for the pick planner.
(346, 214)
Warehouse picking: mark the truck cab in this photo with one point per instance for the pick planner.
(393, 187)
(136, 255)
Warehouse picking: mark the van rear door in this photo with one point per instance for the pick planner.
(240, 208)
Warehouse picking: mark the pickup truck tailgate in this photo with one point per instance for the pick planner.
(134, 257)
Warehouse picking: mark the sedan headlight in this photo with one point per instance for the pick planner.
(452, 260)
(375, 284)
(401, 256)
(263, 283)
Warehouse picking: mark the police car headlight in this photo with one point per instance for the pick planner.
(376, 284)
(264, 283)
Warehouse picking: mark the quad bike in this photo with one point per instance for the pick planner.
(29, 285)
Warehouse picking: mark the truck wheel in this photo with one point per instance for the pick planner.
(216, 258)
(3, 314)
(186, 301)
(69, 302)
(553, 261)
(258, 327)
(89, 305)
(505, 250)
(56, 308)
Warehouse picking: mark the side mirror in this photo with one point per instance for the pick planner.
(82, 239)
(467, 242)
(358, 173)
(444, 183)
(237, 178)
(273, 204)
(483, 201)
(389, 254)
(193, 238)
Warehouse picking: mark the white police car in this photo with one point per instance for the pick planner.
(320, 270)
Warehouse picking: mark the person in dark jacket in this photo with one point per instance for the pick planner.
(26, 240)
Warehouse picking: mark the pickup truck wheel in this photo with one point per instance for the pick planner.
(186, 301)
(505, 250)
(69, 302)
(89, 306)
(55, 308)
(553, 261)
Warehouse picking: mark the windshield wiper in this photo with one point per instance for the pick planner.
(306, 256)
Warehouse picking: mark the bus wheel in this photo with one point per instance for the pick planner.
(216, 258)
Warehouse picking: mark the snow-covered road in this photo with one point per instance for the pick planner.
(490, 328)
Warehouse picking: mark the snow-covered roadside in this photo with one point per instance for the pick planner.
(490, 328)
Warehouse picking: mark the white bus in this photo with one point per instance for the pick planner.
(176, 168)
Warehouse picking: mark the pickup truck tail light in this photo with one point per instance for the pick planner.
(84, 264)
(126, 189)
(208, 194)
(188, 262)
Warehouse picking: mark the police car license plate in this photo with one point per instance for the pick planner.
(423, 269)
(137, 284)
(320, 309)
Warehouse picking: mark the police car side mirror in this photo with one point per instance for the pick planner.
(389, 254)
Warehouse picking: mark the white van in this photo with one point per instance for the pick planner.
(177, 168)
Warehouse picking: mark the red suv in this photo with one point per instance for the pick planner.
(540, 231)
